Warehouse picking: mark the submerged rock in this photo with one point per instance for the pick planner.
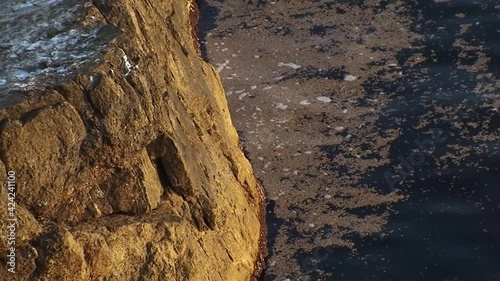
(118, 139)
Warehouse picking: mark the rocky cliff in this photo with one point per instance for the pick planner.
(117, 144)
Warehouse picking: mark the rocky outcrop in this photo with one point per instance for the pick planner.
(122, 154)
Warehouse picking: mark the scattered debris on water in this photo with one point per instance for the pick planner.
(290, 64)
(350, 77)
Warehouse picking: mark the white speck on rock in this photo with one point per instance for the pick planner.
(324, 99)
(327, 196)
(350, 77)
(128, 67)
(311, 225)
(339, 128)
(305, 102)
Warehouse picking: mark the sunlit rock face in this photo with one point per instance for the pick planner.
(126, 163)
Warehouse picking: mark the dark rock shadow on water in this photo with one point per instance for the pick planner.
(273, 225)
(308, 73)
(448, 228)
(208, 15)
(437, 239)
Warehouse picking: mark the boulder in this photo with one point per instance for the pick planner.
(117, 140)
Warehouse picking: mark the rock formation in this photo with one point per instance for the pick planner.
(118, 143)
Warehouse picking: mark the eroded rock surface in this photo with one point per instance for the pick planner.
(127, 166)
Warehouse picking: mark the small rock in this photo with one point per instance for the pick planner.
(46, 64)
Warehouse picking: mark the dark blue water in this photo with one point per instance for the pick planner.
(449, 228)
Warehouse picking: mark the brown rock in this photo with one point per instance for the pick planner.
(127, 168)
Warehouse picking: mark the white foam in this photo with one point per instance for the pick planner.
(324, 99)
(42, 39)
(290, 64)
(242, 96)
(350, 77)
(221, 66)
(281, 106)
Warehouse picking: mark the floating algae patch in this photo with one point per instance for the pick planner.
(41, 41)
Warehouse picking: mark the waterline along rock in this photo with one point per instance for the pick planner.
(117, 143)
